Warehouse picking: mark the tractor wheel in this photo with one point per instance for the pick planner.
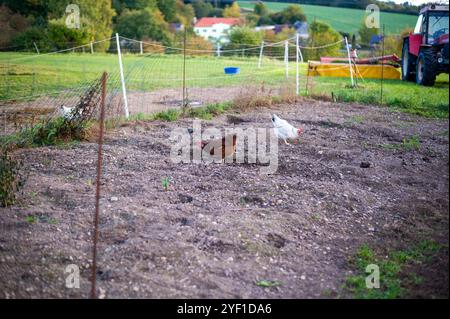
(408, 71)
(426, 67)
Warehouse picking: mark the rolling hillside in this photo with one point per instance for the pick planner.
(343, 19)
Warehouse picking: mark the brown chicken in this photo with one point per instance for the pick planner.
(224, 147)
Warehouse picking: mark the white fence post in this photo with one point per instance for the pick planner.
(297, 75)
(92, 48)
(286, 57)
(122, 78)
(141, 48)
(260, 54)
(299, 52)
(35, 46)
(218, 50)
(349, 61)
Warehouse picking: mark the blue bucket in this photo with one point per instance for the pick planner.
(232, 70)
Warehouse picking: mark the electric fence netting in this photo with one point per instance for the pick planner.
(36, 88)
(146, 77)
(181, 76)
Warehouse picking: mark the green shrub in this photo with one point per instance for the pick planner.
(51, 132)
(168, 116)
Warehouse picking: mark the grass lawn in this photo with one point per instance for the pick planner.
(343, 19)
(23, 76)
(399, 95)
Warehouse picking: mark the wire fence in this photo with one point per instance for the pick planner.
(145, 77)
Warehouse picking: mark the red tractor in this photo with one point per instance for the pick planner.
(425, 52)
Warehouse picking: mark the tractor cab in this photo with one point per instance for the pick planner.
(425, 51)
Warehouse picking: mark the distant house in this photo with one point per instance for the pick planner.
(215, 29)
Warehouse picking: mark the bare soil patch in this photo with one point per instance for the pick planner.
(220, 228)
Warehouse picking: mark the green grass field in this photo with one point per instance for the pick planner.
(343, 19)
(23, 76)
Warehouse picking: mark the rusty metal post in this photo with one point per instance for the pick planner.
(184, 105)
(307, 79)
(97, 191)
(382, 68)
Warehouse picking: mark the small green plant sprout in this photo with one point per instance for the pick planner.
(411, 143)
(408, 144)
(268, 283)
(32, 219)
(41, 218)
(165, 183)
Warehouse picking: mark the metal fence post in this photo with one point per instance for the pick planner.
(297, 75)
(286, 57)
(349, 62)
(382, 69)
(97, 191)
(260, 54)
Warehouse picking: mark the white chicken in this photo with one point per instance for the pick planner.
(68, 112)
(284, 130)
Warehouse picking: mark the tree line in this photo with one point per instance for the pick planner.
(42, 23)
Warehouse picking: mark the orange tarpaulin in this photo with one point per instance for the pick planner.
(366, 71)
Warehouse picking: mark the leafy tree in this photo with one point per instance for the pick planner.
(148, 23)
(197, 44)
(233, 11)
(12, 24)
(168, 9)
(289, 15)
(63, 37)
(244, 37)
(271, 36)
(265, 20)
(56, 36)
(252, 19)
(120, 5)
(35, 8)
(184, 14)
(95, 17)
(261, 9)
(36, 35)
(216, 12)
(366, 33)
(201, 8)
(321, 33)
